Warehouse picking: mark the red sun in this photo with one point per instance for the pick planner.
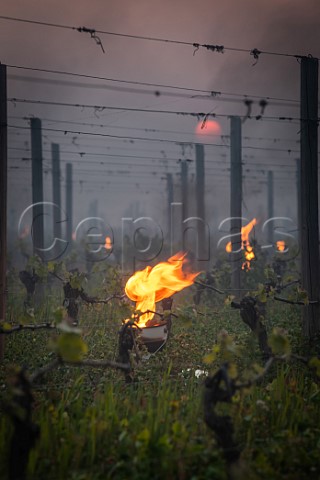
(209, 127)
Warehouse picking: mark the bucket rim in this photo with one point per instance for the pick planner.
(162, 324)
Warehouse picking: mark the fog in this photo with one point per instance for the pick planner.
(120, 176)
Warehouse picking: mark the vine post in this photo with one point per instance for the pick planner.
(37, 186)
(184, 195)
(270, 206)
(309, 222)
(170, 200)
(56, 189)
(69, 206)
(236, 203)
(3, 196)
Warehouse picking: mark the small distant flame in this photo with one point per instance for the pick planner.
(25, 232)
(148, 286)
(245, 244)
(108, 244)
(281, 245)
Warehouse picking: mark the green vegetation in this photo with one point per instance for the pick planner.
(95, 426)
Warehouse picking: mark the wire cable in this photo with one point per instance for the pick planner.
(209, 47)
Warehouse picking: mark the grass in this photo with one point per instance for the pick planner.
(94, 426)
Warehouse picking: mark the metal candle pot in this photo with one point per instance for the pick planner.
(156, 336)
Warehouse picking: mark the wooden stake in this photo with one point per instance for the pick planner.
(37, 186)
(3, 197)
(270, 207)
(236, 203)
(56, 189)
(170, 201)
(184, 196)
(184, 188)
(69, 205)
(298, 169)
(309, 232)
(200, 191)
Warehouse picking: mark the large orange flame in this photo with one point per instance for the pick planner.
(148, 286)
(245, 244)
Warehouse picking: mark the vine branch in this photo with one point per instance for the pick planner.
(93, 363)
(210, 287)
(292, 302)
(18, 328)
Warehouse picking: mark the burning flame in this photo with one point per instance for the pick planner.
(281, 245)
(148, 286)
(245, 244)
(25, 232)
(108, 244)
(229, 247)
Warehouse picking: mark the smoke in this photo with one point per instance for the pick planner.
(273, 25)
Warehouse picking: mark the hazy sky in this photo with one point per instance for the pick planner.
(288, 26)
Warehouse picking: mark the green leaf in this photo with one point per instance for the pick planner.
(210, 358)
(270, 274)
(235, 349)
(124, 423)
(229, 299)
(257, 368)
(260, 294)
(76, 280)
(288, 279)
(164, 441)
(51, 267)
(144, 436)
(176, 428)
(302, 296)
(279, 342)
(166, 314)
(232, 370)
(35, 263)
(5, 326)
(228, 348)
(60, 270)
(314, 362)
(262, 298)
(71, 347)
(58, 314)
